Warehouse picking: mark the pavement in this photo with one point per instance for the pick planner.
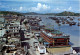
(34, 50)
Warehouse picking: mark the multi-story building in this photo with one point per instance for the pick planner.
(2, 26)
(13, 28)
(54, 40)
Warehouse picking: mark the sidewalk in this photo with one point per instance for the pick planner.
(32, 49)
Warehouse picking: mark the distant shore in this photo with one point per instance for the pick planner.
(64, 13)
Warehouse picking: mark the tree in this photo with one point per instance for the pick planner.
(25, 22)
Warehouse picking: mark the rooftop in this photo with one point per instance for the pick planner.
(52, 35)
(61, 37)
(56, 32)
(59, 50)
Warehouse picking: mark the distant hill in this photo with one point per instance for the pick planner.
(31, 13)
(10, 12)
(50, 13)
(65, 13)
(34, 13)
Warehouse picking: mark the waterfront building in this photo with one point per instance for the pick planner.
(54, 40)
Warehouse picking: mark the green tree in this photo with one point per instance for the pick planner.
(25, 22)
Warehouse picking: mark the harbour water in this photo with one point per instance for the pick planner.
(73, 31)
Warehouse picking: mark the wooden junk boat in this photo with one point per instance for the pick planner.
(54, 38)
(72, 23)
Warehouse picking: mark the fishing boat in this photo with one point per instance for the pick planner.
(79, 19)
(63, 22)
(53, 18)
(68, 17)
(72, 23)
(78, 24)
(57, 21)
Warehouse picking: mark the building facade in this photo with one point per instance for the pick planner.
(53, 40)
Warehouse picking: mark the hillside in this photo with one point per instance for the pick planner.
(50, 13)
(31, 13)
(66, 13)
(10, 12)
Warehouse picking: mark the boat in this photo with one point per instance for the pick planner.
(72, 23)
(53, 18)
(78, 24)
(57, 21)
(54, 38)
(71, 19)
(63, 22)
(67, 22)
(79, 19)
(68, 17)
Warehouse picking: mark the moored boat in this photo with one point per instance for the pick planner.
(78, 24)
(72, 23)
